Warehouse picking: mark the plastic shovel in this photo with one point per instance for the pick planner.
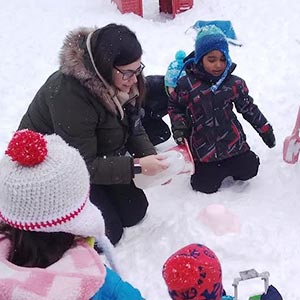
(270, 292)
(249, 274)
(291, 145)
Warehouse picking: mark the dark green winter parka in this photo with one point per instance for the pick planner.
(74, 104)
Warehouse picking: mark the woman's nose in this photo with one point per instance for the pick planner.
(133, 79)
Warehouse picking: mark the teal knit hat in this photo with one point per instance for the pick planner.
(209, 38)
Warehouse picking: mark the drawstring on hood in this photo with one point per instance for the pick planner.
(107, 86)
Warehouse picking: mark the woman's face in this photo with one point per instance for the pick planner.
(124, 77)
(214, 63)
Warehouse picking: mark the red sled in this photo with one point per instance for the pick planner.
(291, 145)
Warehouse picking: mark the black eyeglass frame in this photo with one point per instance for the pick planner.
(126, 75)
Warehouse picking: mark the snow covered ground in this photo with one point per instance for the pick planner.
(31, 34)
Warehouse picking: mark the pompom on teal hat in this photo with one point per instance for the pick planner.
(174, 68)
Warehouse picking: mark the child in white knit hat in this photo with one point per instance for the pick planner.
(47, 226)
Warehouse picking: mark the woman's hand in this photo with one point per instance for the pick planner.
(153, 164)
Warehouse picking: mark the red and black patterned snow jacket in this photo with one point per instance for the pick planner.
(208, 120)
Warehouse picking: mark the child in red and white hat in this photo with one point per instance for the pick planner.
(48, 224)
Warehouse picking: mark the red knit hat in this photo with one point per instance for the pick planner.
(193, 272)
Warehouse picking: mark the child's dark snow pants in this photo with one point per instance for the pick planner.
(208, 177)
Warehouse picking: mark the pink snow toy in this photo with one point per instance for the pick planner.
(291, 145)
(219, 219)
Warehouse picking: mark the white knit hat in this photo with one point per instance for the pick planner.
(44, 186)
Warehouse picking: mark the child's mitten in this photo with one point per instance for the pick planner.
(266, 133)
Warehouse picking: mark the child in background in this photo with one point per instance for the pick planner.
(156, 107)
(194, 272)
(174, 70)
(201, 110)
(47, 222)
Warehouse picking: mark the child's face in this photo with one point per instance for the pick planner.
(214, 63)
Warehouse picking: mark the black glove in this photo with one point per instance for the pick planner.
(179, 136)
(266, 133)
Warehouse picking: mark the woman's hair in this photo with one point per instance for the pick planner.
(36, 249)
(116, 45)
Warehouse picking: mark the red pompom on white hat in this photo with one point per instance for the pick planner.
(27, 147)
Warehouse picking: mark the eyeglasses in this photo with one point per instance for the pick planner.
(127, 74)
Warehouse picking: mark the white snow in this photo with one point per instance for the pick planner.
(31, 34)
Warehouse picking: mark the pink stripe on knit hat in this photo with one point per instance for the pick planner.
(44, 224)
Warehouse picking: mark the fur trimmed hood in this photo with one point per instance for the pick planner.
(74, 60)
